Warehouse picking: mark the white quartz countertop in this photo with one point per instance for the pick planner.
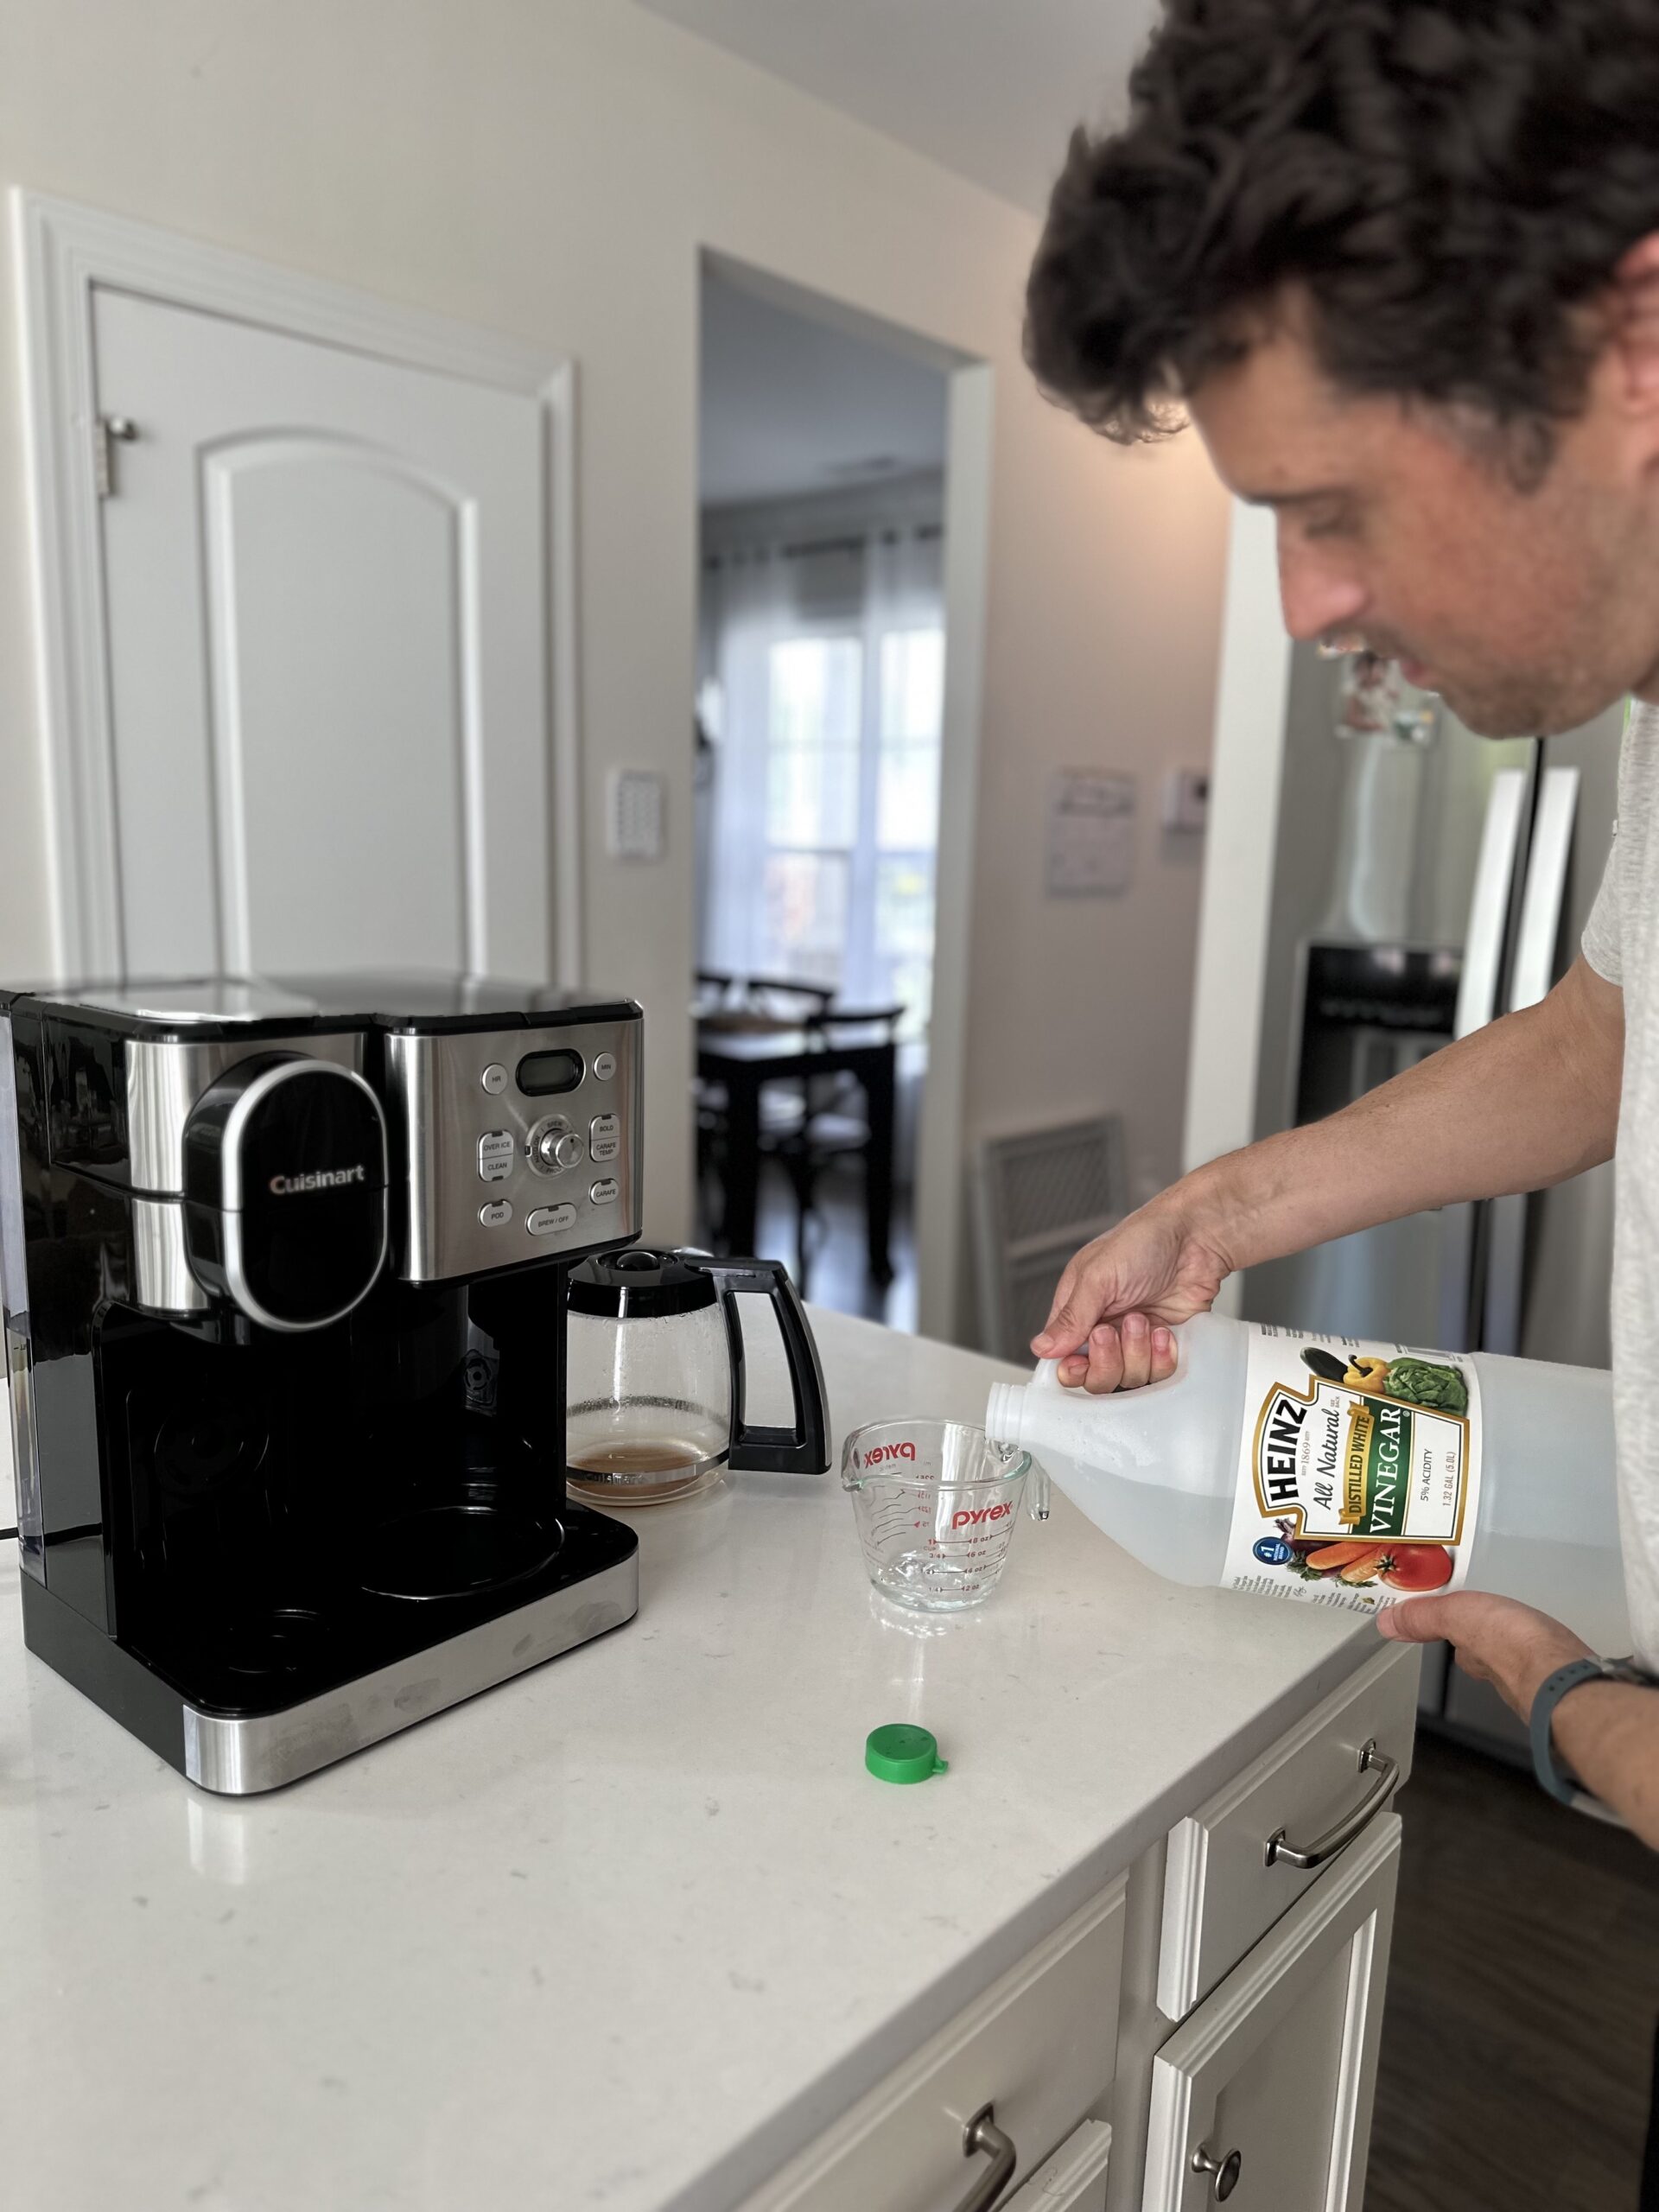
(630, 1931)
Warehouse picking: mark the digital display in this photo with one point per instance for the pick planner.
(542, 1074)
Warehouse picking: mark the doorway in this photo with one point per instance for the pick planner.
(821, 738)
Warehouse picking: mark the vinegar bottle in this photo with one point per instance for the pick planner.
(1315, 1467)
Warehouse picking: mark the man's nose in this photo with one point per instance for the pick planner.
(1317, 596)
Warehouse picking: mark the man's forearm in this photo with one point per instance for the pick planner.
(1524, 1104)
(1608, 1734)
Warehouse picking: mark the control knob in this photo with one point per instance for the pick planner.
(553, 1144)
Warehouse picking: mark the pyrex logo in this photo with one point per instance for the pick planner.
(965, 1520)
(320, 1178)
(877, 1452)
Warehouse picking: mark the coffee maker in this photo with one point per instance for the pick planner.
(284, 1271)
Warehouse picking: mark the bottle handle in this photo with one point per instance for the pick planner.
(756, 1447)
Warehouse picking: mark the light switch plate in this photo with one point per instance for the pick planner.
(1186, 799)
(636, 806)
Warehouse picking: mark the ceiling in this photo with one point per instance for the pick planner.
(990, 88)
(788, 406)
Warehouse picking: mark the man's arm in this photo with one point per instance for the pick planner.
(1607, 1732)
(1522, 1104)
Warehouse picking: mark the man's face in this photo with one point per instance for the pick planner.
(1527, 611)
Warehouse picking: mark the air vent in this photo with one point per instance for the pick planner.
(1040, 1196)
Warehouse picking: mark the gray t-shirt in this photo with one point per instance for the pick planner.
(1621, 942)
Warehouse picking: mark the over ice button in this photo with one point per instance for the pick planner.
(495, 1155)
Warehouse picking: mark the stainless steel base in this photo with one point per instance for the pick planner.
(238, 1758)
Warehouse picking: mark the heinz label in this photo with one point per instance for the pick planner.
(1360, 1471)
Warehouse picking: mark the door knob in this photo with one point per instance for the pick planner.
(1223, 2171)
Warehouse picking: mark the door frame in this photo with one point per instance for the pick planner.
(63, 253)
(941, 1165)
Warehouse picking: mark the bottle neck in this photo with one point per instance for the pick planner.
(1004, 1413)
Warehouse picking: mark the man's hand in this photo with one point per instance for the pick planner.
(1114, 1306)
(1498, 1641)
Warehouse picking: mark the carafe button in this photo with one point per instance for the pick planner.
(496, 1151)
(494, 1217)
(606, 1193)
(494, 1078)
(604, 1066)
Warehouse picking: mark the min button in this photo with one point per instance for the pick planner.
(604, 1066)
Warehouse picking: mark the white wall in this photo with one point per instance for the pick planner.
(550, 168)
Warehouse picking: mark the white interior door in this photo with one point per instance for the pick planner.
(325, 605)
(1270, 2083)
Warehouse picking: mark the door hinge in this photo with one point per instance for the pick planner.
(105, 429)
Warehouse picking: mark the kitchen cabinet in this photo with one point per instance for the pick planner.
(1262, 2098)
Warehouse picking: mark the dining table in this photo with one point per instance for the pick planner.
(743, 1059)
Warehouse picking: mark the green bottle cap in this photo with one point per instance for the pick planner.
(901, 1753)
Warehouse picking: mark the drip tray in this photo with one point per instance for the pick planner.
(458, 1547)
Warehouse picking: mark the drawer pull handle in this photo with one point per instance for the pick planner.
(1223, 2172)
(981, 2133)
(1371, 1761)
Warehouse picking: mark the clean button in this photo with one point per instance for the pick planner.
(496, 1154)
(547, 1221)
(607, 1192)
(494, 1216)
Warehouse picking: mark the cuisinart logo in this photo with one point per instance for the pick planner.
(320, 1178)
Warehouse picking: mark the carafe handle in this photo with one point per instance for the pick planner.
(804, 1449)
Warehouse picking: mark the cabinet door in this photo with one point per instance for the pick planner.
(1275, 2070)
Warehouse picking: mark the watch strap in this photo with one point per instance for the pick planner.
(1552, 1778)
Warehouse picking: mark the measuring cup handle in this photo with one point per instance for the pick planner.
(1037, 1500)
(804, 1449)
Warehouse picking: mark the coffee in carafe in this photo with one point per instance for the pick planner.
(655, 1394)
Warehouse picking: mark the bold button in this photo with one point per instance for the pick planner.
(546, 1220)
(494, 1216)
(496, 1153)
(605, 1137)
(607, 1192)
(604, 1065)
(494, 1078)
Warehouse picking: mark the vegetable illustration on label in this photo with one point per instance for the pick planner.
(1360, 1472)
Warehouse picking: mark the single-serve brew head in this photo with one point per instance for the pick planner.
(285, 1181)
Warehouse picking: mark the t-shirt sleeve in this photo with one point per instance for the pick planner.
(1602, 946)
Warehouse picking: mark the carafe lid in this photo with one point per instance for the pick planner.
(641, 1284)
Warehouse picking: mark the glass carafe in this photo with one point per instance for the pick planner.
(655, 1377)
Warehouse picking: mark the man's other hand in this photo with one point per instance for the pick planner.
(1497, 1640)
(1116, 1304)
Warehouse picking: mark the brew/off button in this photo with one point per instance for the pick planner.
(496, 1154)
(547, 1221)
(604, 1066)
(607, 1192)
(496, 1215)
(604, 1137)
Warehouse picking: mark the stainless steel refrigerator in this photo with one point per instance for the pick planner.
(1427, 881)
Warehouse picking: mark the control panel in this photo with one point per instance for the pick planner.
(513, 1145)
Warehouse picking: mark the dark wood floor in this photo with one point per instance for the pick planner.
(838, 1274)
(1518, 2039)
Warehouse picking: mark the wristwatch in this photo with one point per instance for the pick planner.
(1554, 1778)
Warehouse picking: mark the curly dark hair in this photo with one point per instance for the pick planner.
(1445, 183)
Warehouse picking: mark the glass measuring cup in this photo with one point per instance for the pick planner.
(935, 1502)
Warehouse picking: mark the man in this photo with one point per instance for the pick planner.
(1398, 260)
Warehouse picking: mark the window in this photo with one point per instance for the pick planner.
(825, 704)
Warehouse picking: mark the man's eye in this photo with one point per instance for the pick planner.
(1339, 525)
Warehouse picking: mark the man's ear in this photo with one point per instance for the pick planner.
(1634, 316)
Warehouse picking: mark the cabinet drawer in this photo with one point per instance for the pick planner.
(1221, 1889)
(1040, 2047)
